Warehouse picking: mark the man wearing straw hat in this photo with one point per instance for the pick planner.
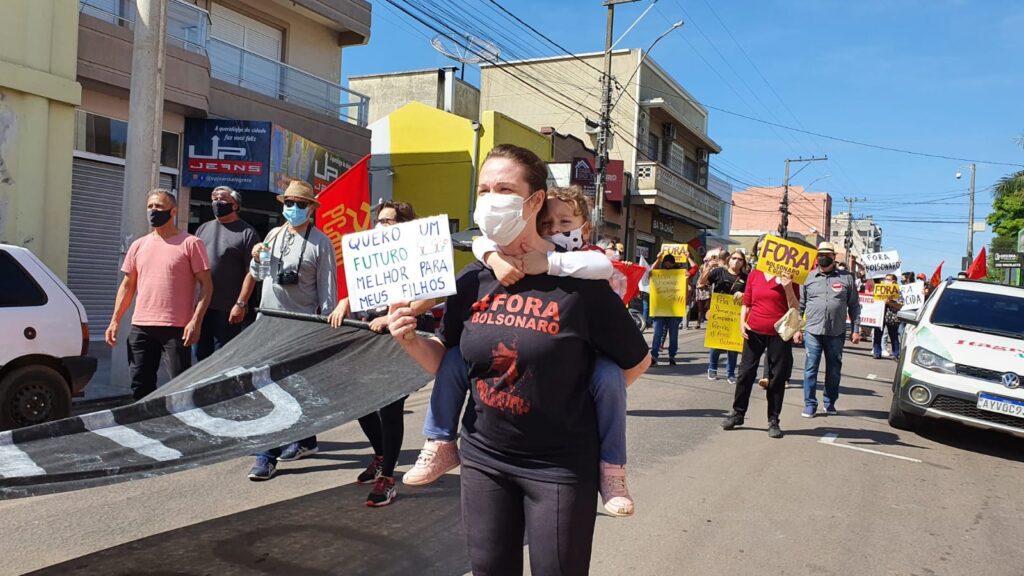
(303, 278)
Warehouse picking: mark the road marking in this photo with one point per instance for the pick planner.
(830, 440)
(872, 377)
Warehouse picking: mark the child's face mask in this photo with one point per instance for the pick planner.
(570, 240)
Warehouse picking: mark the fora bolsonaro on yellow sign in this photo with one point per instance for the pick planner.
(778, 257)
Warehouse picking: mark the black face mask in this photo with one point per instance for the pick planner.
(825, 261)
(222, 209)
(158, 218)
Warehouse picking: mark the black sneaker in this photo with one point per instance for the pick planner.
(372, 472)
(671, 361)
(383, 492)
(263, 469)
(654, 361)
(774, 431)
(732, 420)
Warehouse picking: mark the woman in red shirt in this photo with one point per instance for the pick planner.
(765, 300)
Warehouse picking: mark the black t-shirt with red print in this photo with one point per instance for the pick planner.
(529, 351)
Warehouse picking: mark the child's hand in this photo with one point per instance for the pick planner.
(535, 263)
(507, 269)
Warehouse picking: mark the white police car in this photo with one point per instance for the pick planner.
(963, 359)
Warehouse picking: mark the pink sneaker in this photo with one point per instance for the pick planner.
(436, 458)
(614, 492)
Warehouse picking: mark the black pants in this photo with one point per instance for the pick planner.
(385, 429)
(146, 344)
(558, 519)
(780, 361)
(216, 332)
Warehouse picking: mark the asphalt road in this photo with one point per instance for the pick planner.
(843, 495)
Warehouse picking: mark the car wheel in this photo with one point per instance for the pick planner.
(897, 417)
(32, 395)
(638, 319)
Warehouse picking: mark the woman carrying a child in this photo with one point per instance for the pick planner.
(530, 445)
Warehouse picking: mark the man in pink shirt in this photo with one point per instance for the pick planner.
(162, 269)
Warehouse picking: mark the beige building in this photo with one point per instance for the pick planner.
(438, 88)
(660, 134)
(275, 63)
(38, 96)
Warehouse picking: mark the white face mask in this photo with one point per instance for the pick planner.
(571, 240)
(500, 216)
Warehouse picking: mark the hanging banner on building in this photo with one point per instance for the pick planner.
(233, 153)
(778, 257)
(345, 208)
(259, 156)
(913, 295)
(885, 292)
(404, 262)
(668, 293)
(871, 312)
(582, 172)
(293, 157)
(878, 264)
(723, 328)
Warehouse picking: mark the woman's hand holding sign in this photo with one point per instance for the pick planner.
(402, 322)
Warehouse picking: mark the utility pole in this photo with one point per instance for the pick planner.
(970, 220)
(784, 205)
(848, 244)
(142, 154)
(605, 128)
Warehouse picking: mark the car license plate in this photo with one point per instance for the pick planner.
(1001, 405)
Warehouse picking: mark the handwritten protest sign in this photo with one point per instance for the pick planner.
(405, 262)
(777, 257)
(878, 264)
(871, 312)
(885, 292)
(723, 331)
(668, 293)
(913, 295)
(678, 251)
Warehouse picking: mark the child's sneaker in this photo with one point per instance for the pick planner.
(383, 492)
(372, 472)
(436, 458)
(614, 492)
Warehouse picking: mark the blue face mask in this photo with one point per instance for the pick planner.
(295, 216)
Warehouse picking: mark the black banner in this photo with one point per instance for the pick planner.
(281, 380)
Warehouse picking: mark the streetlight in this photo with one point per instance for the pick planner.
(970, 217)
(808, 187)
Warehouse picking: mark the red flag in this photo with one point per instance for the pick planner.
(632, 273)
(345, 208)
(936, 278)
(979, 268)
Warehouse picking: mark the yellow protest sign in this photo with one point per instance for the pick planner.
(777, 257)
(678, 251)
(668, 293)
(723, 331)
(887, 291)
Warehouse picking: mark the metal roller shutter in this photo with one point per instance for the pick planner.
(94, 252)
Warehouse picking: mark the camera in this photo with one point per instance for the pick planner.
(287, 277)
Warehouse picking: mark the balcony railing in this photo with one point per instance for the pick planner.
(655, 176)
(187, 25)
(236, 65)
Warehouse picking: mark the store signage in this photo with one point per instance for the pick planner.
(583, 173)
(1007, 259)
(663, 226)
(249, 155)
(226, 153)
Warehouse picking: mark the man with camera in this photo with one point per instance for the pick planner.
(303, 278)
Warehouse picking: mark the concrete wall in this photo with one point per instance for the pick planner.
(757, 209)
(38, 95)
(390, 92)
(467, 100)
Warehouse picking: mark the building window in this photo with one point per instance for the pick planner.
(690, 169)
(653, 145)
(109, 137)
(676, 158)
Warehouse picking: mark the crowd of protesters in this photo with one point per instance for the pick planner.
(543, 432)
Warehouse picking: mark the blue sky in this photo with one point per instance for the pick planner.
(937, 76)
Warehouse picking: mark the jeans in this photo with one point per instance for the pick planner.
(146, 345)
(216, 332)
(894, 340)
(385, 429)
(780, 359)
(660, 326)
(730, 361)
(832, 346)
(646, 299)
(498, 509)
(273, 453)
(607, 385)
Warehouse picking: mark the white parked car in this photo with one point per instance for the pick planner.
(963, 359)
(43, 342)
